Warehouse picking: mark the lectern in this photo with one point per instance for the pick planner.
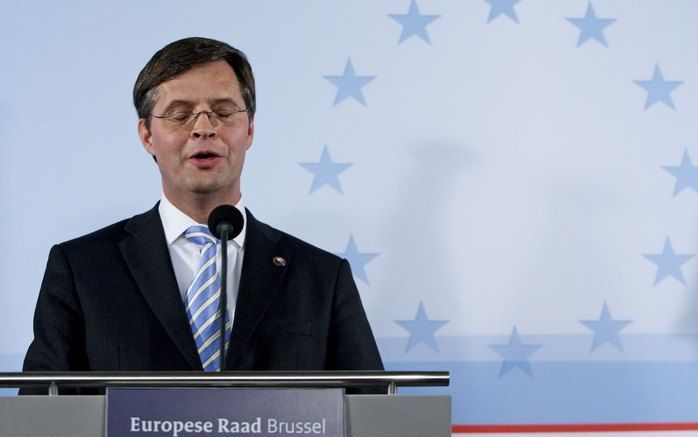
(391, 414)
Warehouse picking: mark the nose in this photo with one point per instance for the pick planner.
(203, 128)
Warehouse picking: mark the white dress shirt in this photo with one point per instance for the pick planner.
(185, 255)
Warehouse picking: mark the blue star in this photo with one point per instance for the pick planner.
(658, 89)
(499, 7)
(325, 171)
(686, 174)
(349, 84)
(668, 263)
(357, 260)
(515, 354)
(413, 23)
(606, 329)
(591, 27)
(421, 329)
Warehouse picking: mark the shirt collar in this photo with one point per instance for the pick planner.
(175, 222)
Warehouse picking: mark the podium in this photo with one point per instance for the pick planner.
(374, 415)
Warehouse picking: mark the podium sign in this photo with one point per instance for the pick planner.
(232, 412)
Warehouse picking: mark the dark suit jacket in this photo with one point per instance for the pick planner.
(109, 301)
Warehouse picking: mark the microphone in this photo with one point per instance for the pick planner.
(225, 217)
(225, 223)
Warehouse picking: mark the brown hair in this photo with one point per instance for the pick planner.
(180, 56)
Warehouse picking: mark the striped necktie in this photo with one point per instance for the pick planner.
(202, 300)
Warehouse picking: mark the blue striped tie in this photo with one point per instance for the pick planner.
(202, 301)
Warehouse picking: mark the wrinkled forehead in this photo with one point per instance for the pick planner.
(202, 84)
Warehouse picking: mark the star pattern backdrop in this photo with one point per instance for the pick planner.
(512, 181)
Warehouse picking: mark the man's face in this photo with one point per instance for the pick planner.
(204, 156)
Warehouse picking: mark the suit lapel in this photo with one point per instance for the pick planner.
(259, 281)
(148, 259)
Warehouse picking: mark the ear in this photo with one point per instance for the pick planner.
(146, 137)
(250, 133)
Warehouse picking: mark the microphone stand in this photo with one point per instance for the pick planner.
(225, 222)
(224, 229)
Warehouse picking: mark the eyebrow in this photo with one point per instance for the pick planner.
(186, 103)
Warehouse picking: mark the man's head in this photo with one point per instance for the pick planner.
(195, 100)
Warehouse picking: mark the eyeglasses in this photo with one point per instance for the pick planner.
(188, 119)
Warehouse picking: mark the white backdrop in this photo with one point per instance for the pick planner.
(514, 177)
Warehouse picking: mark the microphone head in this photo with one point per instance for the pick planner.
(225, 216)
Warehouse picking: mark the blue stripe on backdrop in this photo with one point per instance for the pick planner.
(566, 392)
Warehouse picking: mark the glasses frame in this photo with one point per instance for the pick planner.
(194, 116)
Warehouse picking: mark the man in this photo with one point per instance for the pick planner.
(140, 295)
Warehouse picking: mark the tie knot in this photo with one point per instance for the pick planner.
(199, 235)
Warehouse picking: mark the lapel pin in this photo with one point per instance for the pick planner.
(279, 261)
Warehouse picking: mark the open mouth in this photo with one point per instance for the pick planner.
(205, 155)
(205, 159)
